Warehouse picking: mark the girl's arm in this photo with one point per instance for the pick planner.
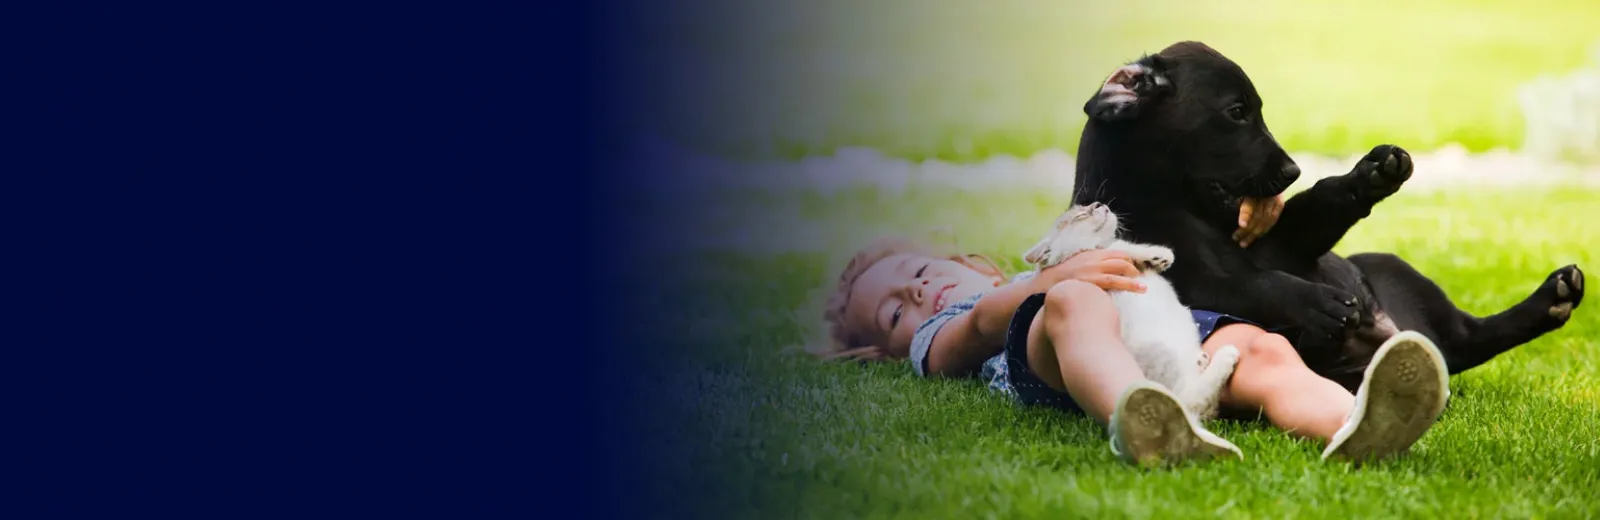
(966, 340)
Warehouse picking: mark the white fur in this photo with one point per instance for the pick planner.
(1158, 330)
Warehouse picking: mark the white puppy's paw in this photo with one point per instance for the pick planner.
(1159, 261)
(1148, 257)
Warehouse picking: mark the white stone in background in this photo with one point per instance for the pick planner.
(702, 185)
(934, 171)
(1562, 114)
(1050, 169)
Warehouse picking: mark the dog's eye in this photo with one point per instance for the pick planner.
(1236, 113)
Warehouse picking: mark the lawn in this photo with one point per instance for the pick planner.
(748, 427)
(964, 81)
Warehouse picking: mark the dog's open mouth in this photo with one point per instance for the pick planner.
(1228, 199)
(1223, 196)
(1253, 188)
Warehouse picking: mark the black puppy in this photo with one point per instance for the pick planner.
(1174, 141)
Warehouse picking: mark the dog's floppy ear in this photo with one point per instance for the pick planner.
(1128, 91)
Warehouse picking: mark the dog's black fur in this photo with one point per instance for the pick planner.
(1176, 139)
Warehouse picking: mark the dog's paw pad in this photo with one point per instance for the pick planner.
(1566, 291)
(1383, 170)
(1158, 263)
(1561, 311)
(1154, 258)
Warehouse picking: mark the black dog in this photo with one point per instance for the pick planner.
(1175, 140)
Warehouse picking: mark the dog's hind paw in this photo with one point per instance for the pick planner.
(1564, 287)
(1381, 172)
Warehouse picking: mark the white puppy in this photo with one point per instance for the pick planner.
(1158, 330)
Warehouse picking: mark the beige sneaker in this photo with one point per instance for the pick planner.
(1402, 395)
(1150, 428)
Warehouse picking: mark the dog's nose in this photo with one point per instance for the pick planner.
(1290, 171)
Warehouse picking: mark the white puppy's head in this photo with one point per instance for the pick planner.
(1080, 228)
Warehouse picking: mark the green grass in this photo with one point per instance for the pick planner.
(963, 80)
(751, 428)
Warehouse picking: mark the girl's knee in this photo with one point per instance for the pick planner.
(1070, 295)
(1268, 351)
(1268, 364)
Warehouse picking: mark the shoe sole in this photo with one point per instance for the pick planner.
(1403, 394)
(1157, 431)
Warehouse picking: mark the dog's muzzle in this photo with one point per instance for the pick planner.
(1289, 173)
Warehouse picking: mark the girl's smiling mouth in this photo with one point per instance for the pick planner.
(939, 298)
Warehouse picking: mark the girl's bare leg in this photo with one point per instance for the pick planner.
(1271, 378)
(1075, 346)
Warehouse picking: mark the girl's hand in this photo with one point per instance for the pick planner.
(1109, 270)
(1256, 217)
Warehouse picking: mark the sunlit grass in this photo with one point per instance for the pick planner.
(756, 430)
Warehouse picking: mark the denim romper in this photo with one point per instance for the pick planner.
(1008, 372)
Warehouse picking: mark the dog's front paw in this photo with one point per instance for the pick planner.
(1331, 314)
(1382, 172)
(1564, 289)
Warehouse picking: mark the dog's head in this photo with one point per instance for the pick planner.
(1201, 111)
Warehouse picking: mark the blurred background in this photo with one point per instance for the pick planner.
(964, 81)
(789, 97)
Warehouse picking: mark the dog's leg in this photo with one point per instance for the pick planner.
(1275, 299)
(1416, 303)
(1314, 220)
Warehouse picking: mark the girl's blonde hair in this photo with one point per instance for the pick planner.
(843, 344)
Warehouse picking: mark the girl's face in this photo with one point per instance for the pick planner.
(898, 293)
